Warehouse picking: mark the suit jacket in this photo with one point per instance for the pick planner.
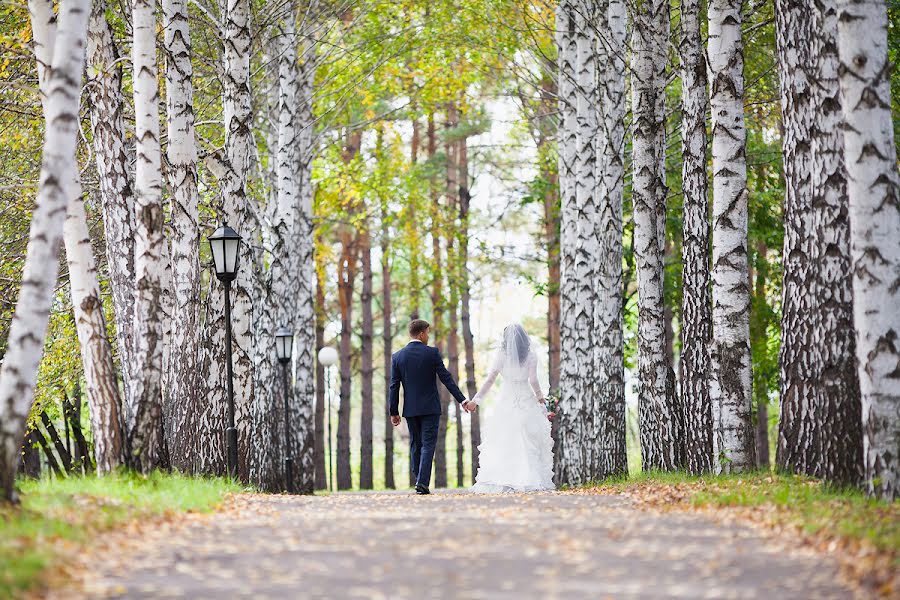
(417, 368)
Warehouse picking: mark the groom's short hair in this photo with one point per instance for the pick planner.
(417, 327)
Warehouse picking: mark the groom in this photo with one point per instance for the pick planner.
(417, 367)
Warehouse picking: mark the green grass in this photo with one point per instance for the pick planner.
(813, 506)
(57, 512)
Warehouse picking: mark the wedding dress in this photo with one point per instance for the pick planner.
(516, 454)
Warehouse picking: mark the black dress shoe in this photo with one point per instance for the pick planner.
(421, 490)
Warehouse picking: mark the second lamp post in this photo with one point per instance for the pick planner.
(284, 343)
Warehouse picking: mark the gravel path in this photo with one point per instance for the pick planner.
(454, 545)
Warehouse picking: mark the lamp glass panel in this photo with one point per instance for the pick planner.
(218, 251)
(231, 255)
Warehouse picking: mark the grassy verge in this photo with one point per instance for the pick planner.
(59, 516)
(863, 533)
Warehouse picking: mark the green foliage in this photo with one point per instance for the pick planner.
(56, 513)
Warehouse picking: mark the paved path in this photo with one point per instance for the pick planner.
(451, 545)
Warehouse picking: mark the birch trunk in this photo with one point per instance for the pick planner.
(609, 358)
(144, 410)
(303, 427)
(576, 441)
(733, 440)
(874, 210)
(696, 308)
(29, 324)
(656, 418)
(90, 322)
(182, 401)
(104, 76)
(798, 445)
(567, 457)
(840, 419)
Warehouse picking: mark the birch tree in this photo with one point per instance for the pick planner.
(656, 417)
(839, 425)
(578, 132)
(696, 307)
(733, 441)
(798, 445)
(144, 408)
(182, 402)
(29, 325)
(104, 75)
(609, 359)
(874, 210)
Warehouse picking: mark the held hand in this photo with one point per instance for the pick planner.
(550, 416)
(395, 420)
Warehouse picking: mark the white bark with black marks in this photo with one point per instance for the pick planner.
(59, 165)
(734, 440)
(696, 305)
(872, 186)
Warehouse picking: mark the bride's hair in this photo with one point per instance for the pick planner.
(515, 335)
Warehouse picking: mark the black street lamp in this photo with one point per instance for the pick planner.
(225, 244)
(284, 343)
(328, 356)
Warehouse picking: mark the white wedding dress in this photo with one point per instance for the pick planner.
(516, 454)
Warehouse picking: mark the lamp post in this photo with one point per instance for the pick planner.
(225, 244)
(284, 343)
(328, 356)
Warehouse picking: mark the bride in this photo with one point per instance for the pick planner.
(517, 452)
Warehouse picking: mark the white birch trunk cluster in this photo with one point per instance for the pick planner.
(819, 430)
(59, 166)
(874, 211)
(90, 323)
(734, 441)
(590, 441)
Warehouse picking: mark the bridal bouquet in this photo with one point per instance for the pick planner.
(552, 404)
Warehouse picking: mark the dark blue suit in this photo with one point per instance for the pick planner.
(417, 368)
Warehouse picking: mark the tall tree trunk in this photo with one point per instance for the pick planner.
(609, 358)
(576, 323)
(465, 299)
(31, 458)
(106, 102)
(303, 414)
(798, 445)
(182, 379)
(29, 325)
(657, 429)
(696, 306)
(874, 211)
(321, 473)
(62, 451)
(412, 224)
(367, 368)
(144, 410)
(730, 352)
(840, 423)
(387, 337)
(346, 277)
(437, 307)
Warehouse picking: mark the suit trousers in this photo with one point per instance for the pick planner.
(423, 432)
